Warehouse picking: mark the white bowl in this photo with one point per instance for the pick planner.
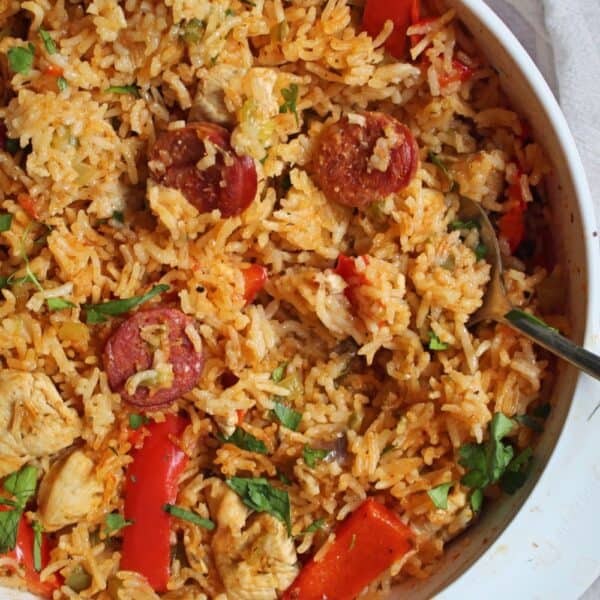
(544, 541)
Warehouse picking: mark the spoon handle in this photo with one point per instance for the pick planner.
(550, 339)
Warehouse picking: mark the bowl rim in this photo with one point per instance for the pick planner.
(488, 572)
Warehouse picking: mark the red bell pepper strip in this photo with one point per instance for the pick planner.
(255, 277)
(512, 223)
(23, 554)
(401, 12)
(28, 205)
(152, 481)
(346, 269)
(368, 542)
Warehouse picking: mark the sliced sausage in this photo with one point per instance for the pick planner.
(360, 162)
(226, 182)
(128, 352)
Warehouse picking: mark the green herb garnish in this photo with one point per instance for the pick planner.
(188, 515)
(488, 462)
(439, 495)
(136, 421)
(283, 478)
(115, 522)
(98, 313)
(480, 251)
(459, 225)
(20, 58)
(48, 41)
(21, 484)
(314, 526)
(435, 343)
(37, 545)
(62, 84)
(133, 90)
(313, 455)
(517, 472)
(229, 13)
(59, 303)
(5, 222)
(258, 494)
(246, 441)
(290, 95)
(287, 416)
(279, 372)
(440, 164)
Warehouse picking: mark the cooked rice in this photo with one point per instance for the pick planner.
(404, 410)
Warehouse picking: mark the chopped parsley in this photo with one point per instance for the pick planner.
(133, 90)
(314, 526)
(229, 13)
(48, 41)
(115, 522)
(287, 416)
(480, 251)
(440, 164)
(493, 462)
(188, 515)
(62, 84)
(20, 58)
(136, 421)
(290, 96)
(459, 225)
(283, 478)
(246, 441)
(118, 216)
(279, 372)
(5, 222)
(439, 495)
(59, 303)
(37, 545)
(258, 494)
(435, 343)
(98, 313)
(313, 455)
(21, 484)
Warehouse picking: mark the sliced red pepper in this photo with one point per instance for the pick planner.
(368, 542)
(255, 277)
(401, 12)
(346, 269)
(23, 554)
(28, 205)
(512, 223)
(152, 482)
(460, 72)
(241, 414)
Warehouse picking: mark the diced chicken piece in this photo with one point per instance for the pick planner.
(69, 492)
(254, 556)
(209, 101)
(34, 420)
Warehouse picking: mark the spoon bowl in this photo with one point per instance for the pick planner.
(497, 307)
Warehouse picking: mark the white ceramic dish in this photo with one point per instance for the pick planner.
(544, 542)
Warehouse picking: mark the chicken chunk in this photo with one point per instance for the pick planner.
(34, 420)
(209, 102)
(254, 556)
(69, 492)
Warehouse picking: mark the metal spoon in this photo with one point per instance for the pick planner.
(497, 307)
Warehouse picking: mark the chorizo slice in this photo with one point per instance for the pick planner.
(361, 161)
(199, 161)
(154, 358)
